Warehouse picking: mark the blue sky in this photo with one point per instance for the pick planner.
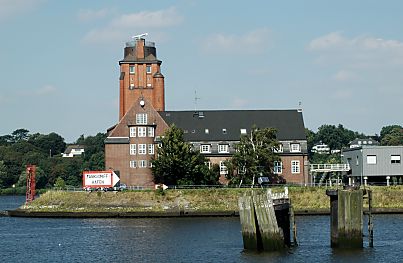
(343, 60)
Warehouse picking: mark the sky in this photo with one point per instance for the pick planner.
(341, 61)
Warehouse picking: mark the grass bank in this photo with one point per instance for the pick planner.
(203, 200)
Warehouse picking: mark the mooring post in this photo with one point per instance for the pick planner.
(346, 210)
(294, 226)
(248, 222)
(370, 220)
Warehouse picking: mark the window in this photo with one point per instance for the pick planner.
(243, 131)
(223, 148)
(151, 149)
(205, 148)
(206, 131)
(142, 163)
(223, 168)
(148, 69)
(357, 161)
(278, 167)
(371, 159)
(131, 69)
(131, 87)
(142, 148)
(279, 149)
(395, 159)
(132, 149)
(133, 164)
(224, 131)
(208, 164)
(150, 164)
(141, 118)
(295, 167)
(142, 131)
(295, 147)
(132, 131)
(150, 131)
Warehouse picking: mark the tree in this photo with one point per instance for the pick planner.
(336, 137)
(392, 135)
(20, 135)
(3, 175)
(51, 143)
(177, 163)
(255, 155)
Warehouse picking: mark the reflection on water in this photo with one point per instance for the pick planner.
(178, 240)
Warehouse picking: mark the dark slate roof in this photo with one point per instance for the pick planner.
(289, 123)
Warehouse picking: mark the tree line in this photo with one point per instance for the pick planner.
(45, 151)
(339, 137)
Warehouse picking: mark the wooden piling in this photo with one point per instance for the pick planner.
(346, 210)
(248, 222)
(370, 220)
(272, 238)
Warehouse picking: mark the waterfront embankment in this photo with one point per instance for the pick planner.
(190, 202)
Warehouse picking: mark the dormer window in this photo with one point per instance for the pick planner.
(205, 148)
(224, 131)
(295, 147)
(223, 148)
(206, 131)
(243, 131)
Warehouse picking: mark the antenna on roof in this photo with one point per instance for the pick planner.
(141, 36)
(299, 106)
(196, 99)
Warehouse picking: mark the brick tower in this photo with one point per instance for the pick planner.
(140, 76)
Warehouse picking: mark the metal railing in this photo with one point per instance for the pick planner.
(339, 167)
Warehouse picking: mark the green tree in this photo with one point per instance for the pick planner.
(60, 183)
(255, 156)
(336, 137)
(3, 175)
(177, 163)
(392, 135)
(50, 144)
(20, 135)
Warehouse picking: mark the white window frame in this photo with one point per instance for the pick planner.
(295, 167)
(295, 147)
(205, 148)
(142, 149)
(208, 164)
(148, 69)
(132, 132)
(151, 149)
(132, 71)
(132, 149)
(141, 118)
(223, 148)
(223, 168)
(395, 159)
(133, 164)
(142, 163)
(142, 132)
(279, 150)
(371, 159)
(278, 167)
(150, 131)
(244, 131)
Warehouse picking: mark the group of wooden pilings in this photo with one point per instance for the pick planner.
(267, 219)
(346, 217)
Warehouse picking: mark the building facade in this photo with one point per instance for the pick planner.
(377, 164)
(132, 143)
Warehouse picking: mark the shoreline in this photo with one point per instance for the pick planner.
(167, 214)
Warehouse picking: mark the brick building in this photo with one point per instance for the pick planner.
(132, 142)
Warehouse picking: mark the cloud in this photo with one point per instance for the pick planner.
(11, 8)
(46, 90)
(344, 75)
(253, 42)
(127, 25)
(42, 91)
(239, 103)
(357, 52)
(89, 15)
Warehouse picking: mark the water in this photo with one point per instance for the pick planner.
(177, 240)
